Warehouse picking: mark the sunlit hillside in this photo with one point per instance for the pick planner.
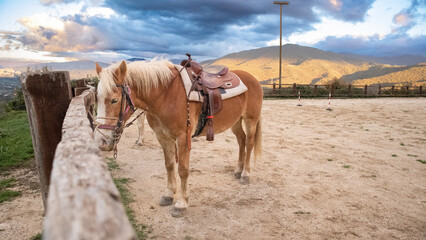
(414, 74)
(305, 65)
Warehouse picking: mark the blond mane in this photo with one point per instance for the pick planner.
(142, 75)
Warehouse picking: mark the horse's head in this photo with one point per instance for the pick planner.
(115, 105)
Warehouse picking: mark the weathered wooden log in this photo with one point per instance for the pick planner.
(47, 96)
(79, 90)
(83, 201)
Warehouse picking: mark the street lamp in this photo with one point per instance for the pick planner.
(281, 3)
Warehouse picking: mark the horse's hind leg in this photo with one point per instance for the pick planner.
(169, 150)
(250, 131)
(238, 131)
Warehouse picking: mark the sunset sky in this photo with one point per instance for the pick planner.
(110, 30)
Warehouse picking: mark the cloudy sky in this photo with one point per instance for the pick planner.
(110, 30)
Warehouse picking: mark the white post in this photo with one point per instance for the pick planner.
(329, 102)
(299, 104)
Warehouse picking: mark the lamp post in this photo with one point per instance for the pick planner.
(281, 3)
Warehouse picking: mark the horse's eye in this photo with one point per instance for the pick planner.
(114, 100)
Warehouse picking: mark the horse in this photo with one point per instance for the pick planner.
(156, 87)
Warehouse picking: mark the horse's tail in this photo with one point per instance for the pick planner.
(258, 141)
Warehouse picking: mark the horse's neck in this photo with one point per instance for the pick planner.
(162, 96)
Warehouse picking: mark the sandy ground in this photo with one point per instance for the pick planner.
(22, 218)
(351, 173)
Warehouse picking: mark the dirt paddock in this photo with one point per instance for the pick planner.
(352, 173)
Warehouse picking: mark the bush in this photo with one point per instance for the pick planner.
(17, 103)
(338, 83)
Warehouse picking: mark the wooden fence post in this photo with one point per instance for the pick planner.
(349, 90)
(365, 90)
(294, 89)
(332, 90)
(80, 86)
(408, 90)
(392, 90)
(315, 89)
(380, 90)
(274, 87)
(47, 96)
(420, 91)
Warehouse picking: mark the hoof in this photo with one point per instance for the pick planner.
(139, 143)
(245, 180)
(178, 212)
(237, 175)
(166, 201)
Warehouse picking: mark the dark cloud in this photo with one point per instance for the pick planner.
(249, 23)
(202, 19)
(346, 10)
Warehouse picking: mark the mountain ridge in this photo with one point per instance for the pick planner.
(308, 65)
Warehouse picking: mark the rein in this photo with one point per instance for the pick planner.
(118, 129)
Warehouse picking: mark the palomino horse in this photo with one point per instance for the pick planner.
(157, 88)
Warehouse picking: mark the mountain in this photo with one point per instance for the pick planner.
(307, 65)
(77, 69)
(135, 59)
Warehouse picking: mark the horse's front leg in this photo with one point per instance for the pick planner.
(181, 204)
(169, 150)
(141, 126)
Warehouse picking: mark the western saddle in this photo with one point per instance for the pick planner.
(210, 82)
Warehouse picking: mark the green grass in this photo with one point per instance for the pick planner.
(346, 166)
(112, 164)
(394, 155)
(412, 155)
(7, 183)
(329, 159)
(39, 236)
(8, 195)
(421, 161)
(15, 141)
(126, 198)
(402, 144)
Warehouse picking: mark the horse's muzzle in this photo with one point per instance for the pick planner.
(104, 141)
(106, 145)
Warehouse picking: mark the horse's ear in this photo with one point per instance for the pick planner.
(98, 68)
(121, 72)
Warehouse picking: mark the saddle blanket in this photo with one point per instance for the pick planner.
(196, 96)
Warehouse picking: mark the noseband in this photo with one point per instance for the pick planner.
(118, 129)
(125, 94)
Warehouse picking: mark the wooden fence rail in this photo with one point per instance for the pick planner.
(82, 201)
(291, 90)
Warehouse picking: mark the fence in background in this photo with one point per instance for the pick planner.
(341, 91)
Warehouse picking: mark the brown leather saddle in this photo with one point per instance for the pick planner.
(210, 82)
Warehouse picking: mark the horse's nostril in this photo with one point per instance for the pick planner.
(104, 142)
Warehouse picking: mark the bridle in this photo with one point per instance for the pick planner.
(118, 129)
